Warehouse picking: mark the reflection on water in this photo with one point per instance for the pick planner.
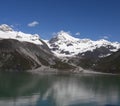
(22, 89)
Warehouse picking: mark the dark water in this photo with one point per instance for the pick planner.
(22, 89)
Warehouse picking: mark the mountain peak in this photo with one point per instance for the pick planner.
(63, 44)
(6, 32)
(5, 27)
(103, 40)
(62, 35)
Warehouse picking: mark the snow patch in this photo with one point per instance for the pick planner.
(6, 32)
(64, 45)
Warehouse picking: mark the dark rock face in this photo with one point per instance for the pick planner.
(96, 53)
(15, 55)
(110, 64)
(91, 60)
(21, 56)
(14, 61)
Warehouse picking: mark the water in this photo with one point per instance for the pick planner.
(23, 89)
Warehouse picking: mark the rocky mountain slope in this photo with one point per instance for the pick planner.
(93, 55)
(110, 64)
(20, 52)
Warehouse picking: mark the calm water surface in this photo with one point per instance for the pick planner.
(22, 89)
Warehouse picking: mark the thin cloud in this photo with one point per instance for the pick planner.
(12, 26)
(105, 37)
(108, 36)
(78, 33)
(33, 24)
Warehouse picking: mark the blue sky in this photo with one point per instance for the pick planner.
(94, 19)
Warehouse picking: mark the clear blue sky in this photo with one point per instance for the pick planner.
(94, 19)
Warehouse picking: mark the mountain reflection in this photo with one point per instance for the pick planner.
(84, 90)
(59, 90)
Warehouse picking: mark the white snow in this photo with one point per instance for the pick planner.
(5, 27)
(6, 32)
(65, 36)
(66, 42)
(63, 40)
(102, 56)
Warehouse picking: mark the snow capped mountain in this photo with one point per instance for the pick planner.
(21, 51)
(63, 44)
(5, 28)
(6, 32)
(65, 36)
